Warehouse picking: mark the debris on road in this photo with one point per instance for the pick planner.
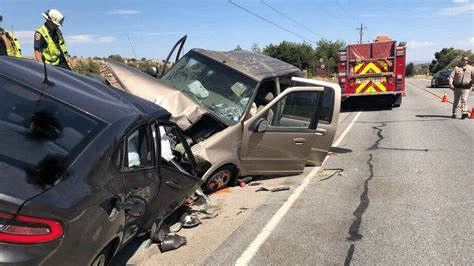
(328, 173)
(274, 189)
(255, 183)
(171, 242)
(190, 221)
(242, 210)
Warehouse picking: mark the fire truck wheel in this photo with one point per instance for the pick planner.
(397, 101)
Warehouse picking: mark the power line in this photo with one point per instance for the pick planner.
(349, 14)
(133, 49)
(274, 24)
(263, 2)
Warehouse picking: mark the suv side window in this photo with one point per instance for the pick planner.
(295, 110)
(326, 110)
(139, 152)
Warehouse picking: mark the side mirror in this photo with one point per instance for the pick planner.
(261, 125)
(152, 71)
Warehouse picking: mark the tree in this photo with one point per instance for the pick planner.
(299, 55)
(327, 51)
(238, 48)
(255, 48)
(448, 58)
(116, 57)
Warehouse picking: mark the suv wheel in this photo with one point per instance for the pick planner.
(219, 179)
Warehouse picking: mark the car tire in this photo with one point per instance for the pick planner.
(103, 258)
(219, 179)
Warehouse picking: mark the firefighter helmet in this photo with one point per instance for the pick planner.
(54, 16)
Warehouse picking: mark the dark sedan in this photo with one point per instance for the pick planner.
(84, 167)
(441, 78)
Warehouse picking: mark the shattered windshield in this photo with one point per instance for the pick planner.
(225, 92)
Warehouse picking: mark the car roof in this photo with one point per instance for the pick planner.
(254, 65)
(88, 94)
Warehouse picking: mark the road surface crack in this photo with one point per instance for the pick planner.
(354, 230)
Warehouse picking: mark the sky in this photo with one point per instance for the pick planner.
(149, 29)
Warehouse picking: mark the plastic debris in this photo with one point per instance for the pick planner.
(171, 242)
(190, 222)
(280, 188)
(242, 210)
(255, 183)
(274, 189)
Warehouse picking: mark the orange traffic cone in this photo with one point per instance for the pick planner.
(445, 98)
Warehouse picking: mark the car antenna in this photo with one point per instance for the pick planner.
(45, 80)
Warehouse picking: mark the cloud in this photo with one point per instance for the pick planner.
(89, 39)
(24, 37)
(466, 7)
(460, 1)
(417, 44)
(161, 33)
(123, 12)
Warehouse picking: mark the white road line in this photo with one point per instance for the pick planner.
(252, 249)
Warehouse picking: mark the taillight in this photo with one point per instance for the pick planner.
(28, 230)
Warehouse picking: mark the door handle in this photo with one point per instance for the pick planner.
(321, 131)
(299, 141)
(174, 184)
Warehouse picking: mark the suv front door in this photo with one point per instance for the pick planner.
(327, 118)
(285, 134)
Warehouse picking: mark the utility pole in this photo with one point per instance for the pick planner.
(361, 31)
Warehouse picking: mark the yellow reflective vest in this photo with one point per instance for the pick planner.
(52, 53)
(11, 44)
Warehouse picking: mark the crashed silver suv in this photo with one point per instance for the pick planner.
(243, 113)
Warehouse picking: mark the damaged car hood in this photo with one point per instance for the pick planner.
(184, 110)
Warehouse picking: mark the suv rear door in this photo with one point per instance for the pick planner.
(285, 134)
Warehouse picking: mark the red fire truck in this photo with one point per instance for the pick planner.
(373, 69)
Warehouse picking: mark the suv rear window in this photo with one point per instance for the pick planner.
(38, 131)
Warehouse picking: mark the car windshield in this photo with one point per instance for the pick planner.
(38, 132)
(222, 90)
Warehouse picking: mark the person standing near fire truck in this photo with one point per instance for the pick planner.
(460, 81)
(49, 45)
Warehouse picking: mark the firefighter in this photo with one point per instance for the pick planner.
(9, 44)
(49, 45)
(460, 81)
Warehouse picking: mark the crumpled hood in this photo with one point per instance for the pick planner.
(184, 111)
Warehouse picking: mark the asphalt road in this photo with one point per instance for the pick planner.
(397, 190)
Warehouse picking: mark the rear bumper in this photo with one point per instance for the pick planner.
(36, 254)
